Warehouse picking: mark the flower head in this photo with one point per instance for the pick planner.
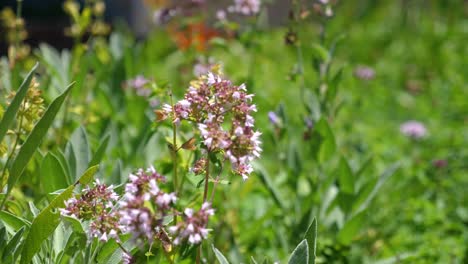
(223, 114)
(245, 7)
(145, 204)
(413, 129)
(364, 73)
(96, 205)
(140, 85)
(193, 227)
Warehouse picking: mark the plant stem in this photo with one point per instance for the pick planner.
(216, 181)
(18, 135)
(174, 147)
(207, 176)
(174, 157)
(198, 254)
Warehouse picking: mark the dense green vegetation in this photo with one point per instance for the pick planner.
(332, 105)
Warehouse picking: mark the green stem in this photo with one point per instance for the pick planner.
(174, 157)
(198, 254)
(207, 176)
(174, 147)
(18, 135)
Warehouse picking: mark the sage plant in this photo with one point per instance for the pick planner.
(220, 113)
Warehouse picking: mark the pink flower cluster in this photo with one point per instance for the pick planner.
(222, 112)
(140, 85)
(143, 211)
(413, 129)
(245, 7)
(96, 204)
(193, 226)
(144, 205)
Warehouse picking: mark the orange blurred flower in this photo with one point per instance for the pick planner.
(196, 35)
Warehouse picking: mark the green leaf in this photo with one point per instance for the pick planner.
(351, 228)
(97, 157)
(75, 224)
(71, 160)
(252, 260)
(109, 248)
(300, 255)
(33, 141)
(87, 176)
(311, 236)
(63, 161)
(13, 221)
(82, 153)
(320, 52)
(219, 256)
(12, 245)
(370, 189)
(265, 178)
(44, 225)
(14, 106)
(328, 145)
(333, 85)
(52, 174)
(47, 221)
(345, 177)
(33, 208)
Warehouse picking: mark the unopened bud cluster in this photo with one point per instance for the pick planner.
(31, 108)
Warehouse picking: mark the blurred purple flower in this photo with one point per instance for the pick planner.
(309, 123)
(245, 7)
(364, 73)
(413, 129)
(274, 119)
(139, 85)
(440, 163)
(193, 227)
(127, 258)
(221, 15)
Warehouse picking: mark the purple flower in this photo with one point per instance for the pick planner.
(221, 15)
(193, 227)
(223, 114)
(245, 7)
(203, 66)
(440, 163)
(364, 73)
(309, 123)
(139, 84)
(127, 258)
(274, 119)
(96, 205)
(413, 129)
(145, 205)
